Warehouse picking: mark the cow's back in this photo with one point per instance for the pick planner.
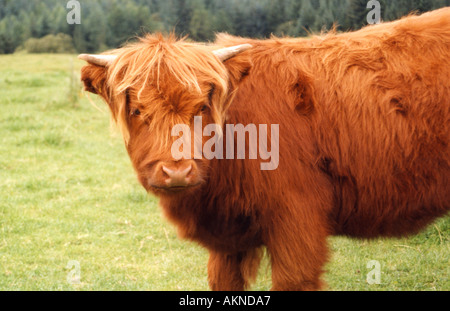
(387, 115)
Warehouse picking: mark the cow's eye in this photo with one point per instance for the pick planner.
(136, 112)
(204, 108)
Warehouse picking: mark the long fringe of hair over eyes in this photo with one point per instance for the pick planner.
(145, 63)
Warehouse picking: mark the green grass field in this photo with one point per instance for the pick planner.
(68, 193)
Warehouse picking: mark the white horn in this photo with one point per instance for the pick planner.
(100, 60)
(226, 53)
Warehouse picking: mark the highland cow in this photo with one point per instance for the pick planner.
(364, 128)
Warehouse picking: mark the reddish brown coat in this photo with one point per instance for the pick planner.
(364, 144)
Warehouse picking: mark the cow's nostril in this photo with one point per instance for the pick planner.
(167, 172)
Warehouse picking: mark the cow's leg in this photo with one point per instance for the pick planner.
(296, 242)
(233, 272)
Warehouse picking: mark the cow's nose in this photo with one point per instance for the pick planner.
(179, 177)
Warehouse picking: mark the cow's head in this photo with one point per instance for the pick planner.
(157, 83)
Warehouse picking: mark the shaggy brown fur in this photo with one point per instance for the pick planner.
(364, 140)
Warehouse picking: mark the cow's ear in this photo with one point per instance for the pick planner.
(94, 79)
(238, 67)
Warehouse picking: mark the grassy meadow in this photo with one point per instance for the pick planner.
(68, 194)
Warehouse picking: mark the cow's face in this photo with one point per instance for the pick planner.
(155, 86)
(151, 118)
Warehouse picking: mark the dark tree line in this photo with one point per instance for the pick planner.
(109, 23)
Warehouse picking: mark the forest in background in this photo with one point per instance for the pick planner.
(41, 26)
